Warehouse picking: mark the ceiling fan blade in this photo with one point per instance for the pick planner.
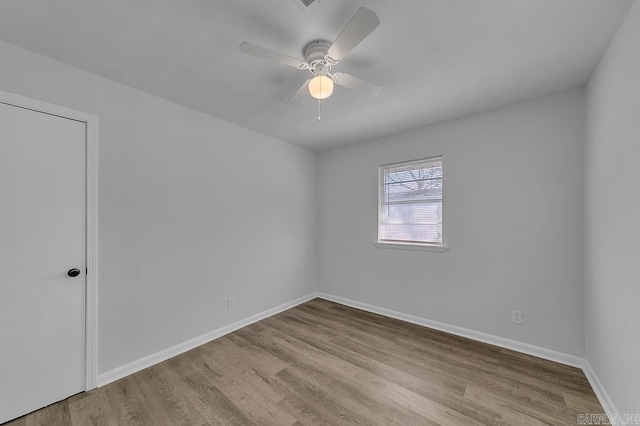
(356, 84)
(359, 27)
(300, 94)
(261, 52)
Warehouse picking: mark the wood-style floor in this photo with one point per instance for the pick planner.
(325, 363)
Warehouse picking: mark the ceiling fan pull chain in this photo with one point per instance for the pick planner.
(319, 110)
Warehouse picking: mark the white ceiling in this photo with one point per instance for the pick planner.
(436, 59)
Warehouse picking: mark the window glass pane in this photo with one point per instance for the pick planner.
(411, 202)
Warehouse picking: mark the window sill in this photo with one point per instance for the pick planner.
(408, 246)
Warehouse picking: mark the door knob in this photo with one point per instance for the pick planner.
(73, 272)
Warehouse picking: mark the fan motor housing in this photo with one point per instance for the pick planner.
(315, 52)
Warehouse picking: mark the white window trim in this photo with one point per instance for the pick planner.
(400, 245)
(438, 248)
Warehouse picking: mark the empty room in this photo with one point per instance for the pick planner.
(327, 212)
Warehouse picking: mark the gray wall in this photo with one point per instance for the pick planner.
(613, 218)
(192, 210)
(513, 218)
(181, 229)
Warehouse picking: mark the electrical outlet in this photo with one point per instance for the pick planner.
(231, 303)
(516, 317)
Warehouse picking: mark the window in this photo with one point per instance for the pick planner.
(410, 202)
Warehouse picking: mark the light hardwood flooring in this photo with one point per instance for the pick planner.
(325, 363)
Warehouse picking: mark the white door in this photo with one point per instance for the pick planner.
(42, 237)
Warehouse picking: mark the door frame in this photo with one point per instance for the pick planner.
(91, 211)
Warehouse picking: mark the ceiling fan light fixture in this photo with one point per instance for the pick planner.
(320, 56)
(320, 87)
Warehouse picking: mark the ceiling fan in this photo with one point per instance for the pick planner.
(320, 56)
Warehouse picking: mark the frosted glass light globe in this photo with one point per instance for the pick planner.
(320, 87)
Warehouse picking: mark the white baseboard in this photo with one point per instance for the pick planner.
(525, 348)
(562, 358)
(601, 393)
(163, 355)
